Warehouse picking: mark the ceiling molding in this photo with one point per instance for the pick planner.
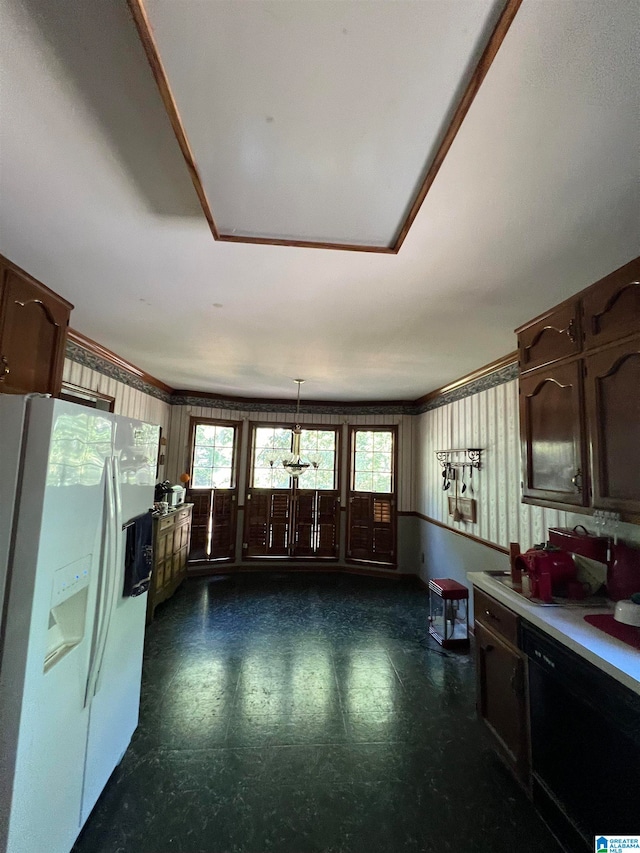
(102, 354)
(461, 387)
(479, 73)
(85, 351)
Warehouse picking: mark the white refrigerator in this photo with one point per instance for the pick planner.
(71, 480)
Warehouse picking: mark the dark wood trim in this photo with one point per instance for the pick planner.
(307, 244)
(139, 15)
(5, 262)
(496, 38)
(625, 515)
(480, 72)
(480, 373)
(237, 446)
(102, 352)
(460, 532)
(289, 403)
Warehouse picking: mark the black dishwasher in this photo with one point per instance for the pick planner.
(585, 744)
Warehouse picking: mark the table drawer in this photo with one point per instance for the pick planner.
(181, 514)
(166, 523)
(495, 616)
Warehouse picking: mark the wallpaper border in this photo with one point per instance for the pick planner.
(80, 355)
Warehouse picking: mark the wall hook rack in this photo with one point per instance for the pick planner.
(459, 457)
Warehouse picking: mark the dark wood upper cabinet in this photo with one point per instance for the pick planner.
(612, 386)
(552, 435)
(612, 307)
(33, 330)
(555, 335)
(579, 392)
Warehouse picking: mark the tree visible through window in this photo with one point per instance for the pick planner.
(273, 444)
(212, 457)
(373, 461)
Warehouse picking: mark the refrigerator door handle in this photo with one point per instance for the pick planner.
(116, 563)
(106, 549)
(107, 571)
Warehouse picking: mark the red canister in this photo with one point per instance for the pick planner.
(549, 561)
(623, 575)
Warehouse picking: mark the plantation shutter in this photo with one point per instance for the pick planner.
(383, 528)
(371, 527)
(201, 501)
(223, 524)
(257, 510)
(305, 524)
(359, 545)
(328, 525)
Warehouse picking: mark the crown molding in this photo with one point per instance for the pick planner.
(91, 354)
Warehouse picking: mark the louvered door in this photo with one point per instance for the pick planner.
(372, 528)
(316, 524)
(201, 520)
(267, 523)
(223, 524)
(328, 525)
(304, 538)
(214, 524)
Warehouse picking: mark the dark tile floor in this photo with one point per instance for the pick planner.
(299, 713)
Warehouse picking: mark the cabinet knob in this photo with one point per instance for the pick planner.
(492, 616)
(577, 480)
(4, 369)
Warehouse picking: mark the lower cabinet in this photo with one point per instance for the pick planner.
(171, 539)
(501, 682)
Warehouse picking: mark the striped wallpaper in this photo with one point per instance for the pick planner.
(488, 420)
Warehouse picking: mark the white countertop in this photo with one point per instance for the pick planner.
(567, 625)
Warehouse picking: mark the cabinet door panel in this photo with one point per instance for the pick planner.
(613, 419)
(32, 335)
(501, 695)
(552, 442)
(556, 335)
(612, 306)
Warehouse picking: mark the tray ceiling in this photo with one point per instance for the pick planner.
(537, 197)
(320, 122)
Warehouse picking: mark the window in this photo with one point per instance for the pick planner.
(371, 521)
(273, 444)
(213, 451)
(372, 461)
(292, 516)
(319, 447)
(212, 489)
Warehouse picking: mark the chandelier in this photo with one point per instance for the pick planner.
(293, 463)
